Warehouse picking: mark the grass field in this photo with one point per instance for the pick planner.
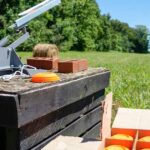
(130, 75)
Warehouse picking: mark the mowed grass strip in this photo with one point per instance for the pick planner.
(130, 74)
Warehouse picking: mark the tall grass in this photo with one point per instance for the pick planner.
(130, 75)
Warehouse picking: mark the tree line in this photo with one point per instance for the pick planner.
(75, 25)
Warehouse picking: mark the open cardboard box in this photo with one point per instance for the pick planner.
(133, 122)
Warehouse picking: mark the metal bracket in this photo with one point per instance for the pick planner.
(4, 41)
(9, 61)
(19, 41)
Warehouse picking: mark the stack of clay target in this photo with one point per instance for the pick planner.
(121, 139)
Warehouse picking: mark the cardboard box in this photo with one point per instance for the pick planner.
(71, 143)
(138, 119)
(134, 120)
(106, 123)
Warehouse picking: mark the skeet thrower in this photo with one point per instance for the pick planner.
(9, 61)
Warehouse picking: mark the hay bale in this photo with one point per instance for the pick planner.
(45, 50)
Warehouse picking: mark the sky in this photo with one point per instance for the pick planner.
(133, 12)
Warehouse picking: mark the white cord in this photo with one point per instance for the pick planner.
(17, 73)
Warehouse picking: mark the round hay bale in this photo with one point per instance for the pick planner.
(45, 50)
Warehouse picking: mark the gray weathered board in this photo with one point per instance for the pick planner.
(44, 127)
(94, 132)
(79, 127)
(29, 115)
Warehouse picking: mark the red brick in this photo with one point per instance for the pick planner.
(68, 66)
(43, 63)
(72, 66)
(83, 65)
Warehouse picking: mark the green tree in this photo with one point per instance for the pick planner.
(74, 25)
(141, 39)
(2, 27)
(104, 40)
(77, 24)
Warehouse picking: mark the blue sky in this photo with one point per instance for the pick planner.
(134, 12)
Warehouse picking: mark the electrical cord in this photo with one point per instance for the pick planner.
(17, 73)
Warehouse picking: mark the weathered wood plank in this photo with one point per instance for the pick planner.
(9, 139)
(8, 111)
(2, 138)
(93, 133)
(84, 123)
(12, 139)
(28, 106)
(20, 85)
(42, 128)
(78, 127)
(37, 103)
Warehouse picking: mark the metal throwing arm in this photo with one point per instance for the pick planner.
(33, 12)
(3, 41)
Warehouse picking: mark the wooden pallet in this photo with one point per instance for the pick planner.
(29, 118)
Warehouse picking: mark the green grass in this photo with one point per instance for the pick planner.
(130, 75)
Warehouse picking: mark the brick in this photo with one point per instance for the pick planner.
(83, 65)
(43, 63)
(72, 66)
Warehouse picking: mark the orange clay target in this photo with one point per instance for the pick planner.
(116, 147)
(122, 137)
(145, 139)
(45, 77)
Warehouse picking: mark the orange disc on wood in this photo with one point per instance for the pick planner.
(45, 77)
(122, 137)
(116, 147)
(145, 139)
